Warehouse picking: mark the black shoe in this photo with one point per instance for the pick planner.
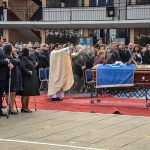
(29, 110)
(55, 99)
(13, 113)
(26, 110)
(60, 99)
(3, 114)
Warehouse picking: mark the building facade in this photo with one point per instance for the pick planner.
(69, 20)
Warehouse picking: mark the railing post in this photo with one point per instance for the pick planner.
(119, 10)
(70, 14)
(126, 10)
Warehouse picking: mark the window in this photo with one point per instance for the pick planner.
(63, 36)
(142, 36)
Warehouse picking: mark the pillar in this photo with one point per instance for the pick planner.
(86, 3)
(131, 35)
(44, 3)
(43, 34)
(6, 34)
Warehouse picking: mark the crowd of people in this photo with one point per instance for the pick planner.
(21, 62)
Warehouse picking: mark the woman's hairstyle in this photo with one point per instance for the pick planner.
(7, 48)
(137, 45)
(25, 52)
(102, 45)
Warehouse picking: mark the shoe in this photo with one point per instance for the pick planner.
(60, 99)
(29, 110)
(3, 114)
(26, 110)
(13, 113)
(54, 99)
(4, 106)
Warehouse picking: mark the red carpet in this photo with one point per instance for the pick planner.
(79, 103)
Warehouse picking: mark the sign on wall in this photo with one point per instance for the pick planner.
(86, 41)
(89, 41)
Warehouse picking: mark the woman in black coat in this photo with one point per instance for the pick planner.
(16, 83)
(29, 79)
(146, 57)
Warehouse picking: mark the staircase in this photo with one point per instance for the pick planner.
(37, 16)
(11, 16)
(38, 2)
(34, 12)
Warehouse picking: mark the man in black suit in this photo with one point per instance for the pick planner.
(4, 65)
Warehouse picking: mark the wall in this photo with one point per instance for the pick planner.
(15, 36)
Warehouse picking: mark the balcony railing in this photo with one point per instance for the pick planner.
(96, 14)
(137, 12)
(75, 14)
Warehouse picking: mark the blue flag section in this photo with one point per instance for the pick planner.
(113, 74)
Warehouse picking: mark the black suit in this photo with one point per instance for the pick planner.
(3, 76)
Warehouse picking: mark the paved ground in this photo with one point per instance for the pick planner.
(60, 130)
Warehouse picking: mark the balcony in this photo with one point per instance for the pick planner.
(132, 16)
(135, 12)
(75, 14)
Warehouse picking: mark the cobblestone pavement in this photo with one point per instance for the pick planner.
(62, 130)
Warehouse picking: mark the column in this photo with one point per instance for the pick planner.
(86, 3)
(43, 34)
(44, 3)
(133, 2)
(131, 35)
(6, 34)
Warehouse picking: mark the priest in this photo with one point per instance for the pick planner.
(60, 73)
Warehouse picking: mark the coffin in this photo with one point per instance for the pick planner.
(142, 75)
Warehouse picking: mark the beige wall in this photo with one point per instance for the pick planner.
(15, 36)
(132, 35)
